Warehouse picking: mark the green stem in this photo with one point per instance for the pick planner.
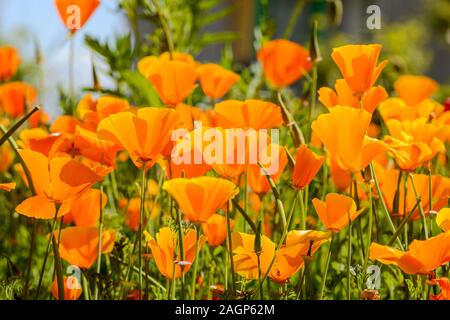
(302, 211)
(313, 99)
(422, 214)
(16, 126)
(230, 251)
(383, 204)
(100, 240)
(58, 269)
(30, 254)
(327, 265)
(349, 257)
(194, 274)
(141, 218)
(369, 229)
(296, 11)
(181, 248)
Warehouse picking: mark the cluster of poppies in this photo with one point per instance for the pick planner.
(378, 159)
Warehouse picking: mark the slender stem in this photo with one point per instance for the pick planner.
(85, 287)
(327, 265)
(16, 126)
(58, 269)
(422, 214)
(41, 275)
(230, 251)
(349, 256)
(369, 228)
(30, 254)
(302, 210)
(181, 248)
(100, 240)
(141, 218)
(312, 106)
(402, 225)
(194, 274)
(383, 204)
(296, 11)
(261, 291)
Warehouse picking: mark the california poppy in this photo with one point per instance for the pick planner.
(343, 132)
(143, 135)
(79, 245)
(189, 115)
(423, 256)
(344, 96)
(9, 62)
(59, 180)
(255, 114)
(6, 158)
(85, 210)
(443, 219)
(173, 80)
(307, 164)
(284, 61)
(215, 229)
(444, 285)
(15, 97)
(414, 89)
(147, 61)
(75, 13)
(132, 211)
(72, 288)
(216, 80)
(358, 65)
(199, 198)
(336, 211)
(166, 255)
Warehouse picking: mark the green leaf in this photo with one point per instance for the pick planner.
(139, 84)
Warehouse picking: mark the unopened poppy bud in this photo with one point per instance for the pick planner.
(257, 243)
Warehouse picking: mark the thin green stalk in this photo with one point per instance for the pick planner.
(419, 200)
(261, 291)
(100, 240)
(16, 126)
(47, 251)
(302, 211)
(383, 204)
(182, 253)
(230, 251)
(349, 256)
(141, 218)
(327, 265)
(58, 269)
(296, 11)
(403, 224)
(194, 274)
(85, 287)
(30, 254)
(369, 229)
(313, 99)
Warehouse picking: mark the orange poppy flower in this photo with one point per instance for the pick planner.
(8, 187)
(344, 96)
(341, 178)
(307, 164)
(274, 164)
(72, 288)
(215, 229)
(59, 180)
(199, 198)
(39, 118)
(91, 112)
(289, 258)
(414, 89)
(422, 257)
(216, 80)
(15, 97)
(444, 284)
(443, 219)
(173, 80)
(408, 155)
(336, 211)
(38, 139)
(358, 65)
(245, 260)
(79, 245)
(174, 170)
(85, 210)
(343, 132)
(75, 13)
(255, 114)
(190, 114)
(146, 62)
(143, 135)
(9, 62)
(284, 61)
(164, 247)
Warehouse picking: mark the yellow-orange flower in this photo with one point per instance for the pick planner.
(9, 62)
(307, 164)
(199, 198)
(284, 61)
(147, 61)
(414, 89)
(343, 132)
(75, 13)
(189, 114)
(79, 245)
(216, 80)
(422, 257)
(336, 211)
(443, 219)
(358, 65)
(173, 80)
(8, 187)
(215, 229)
(85, 210)
(15, 97)
(344, 96)
(166, 254)
(255, 114)
(72, 288)
(59, 180)
(6, 158)
(143, 135)
(132, 211)
(444, 284)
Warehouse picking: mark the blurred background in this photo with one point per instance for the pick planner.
(415, 35)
